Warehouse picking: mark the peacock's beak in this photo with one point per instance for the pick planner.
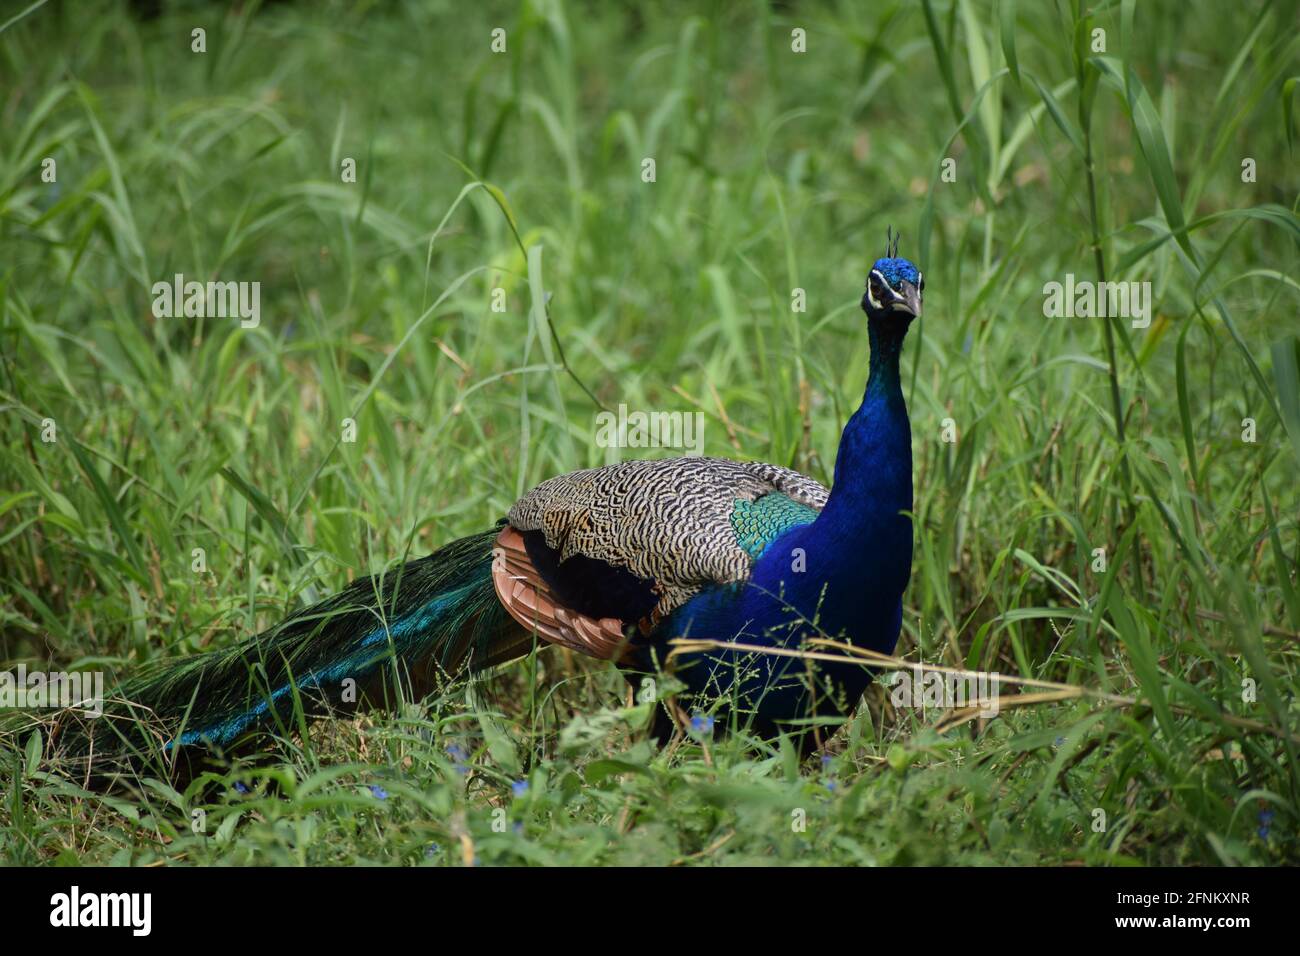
(910, 301)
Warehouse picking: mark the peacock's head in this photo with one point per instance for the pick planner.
(894, 287)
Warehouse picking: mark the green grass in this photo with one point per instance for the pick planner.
(775, 171)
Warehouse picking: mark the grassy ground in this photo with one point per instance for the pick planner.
(775, 170)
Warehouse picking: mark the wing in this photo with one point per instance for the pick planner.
(628, 543)
(530, 601)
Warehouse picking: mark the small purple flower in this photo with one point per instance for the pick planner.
(378, 792)
(240, 787)
(701, 724)
(1266, 817)
(432, 850)
(460, 757)
(827, 760)
(519, 829)
(830, 785)
(519, 787)
(1263, 833)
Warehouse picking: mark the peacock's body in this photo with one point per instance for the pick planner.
(614, 562)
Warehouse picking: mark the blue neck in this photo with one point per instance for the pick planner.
(848, 568)
(873, 470)
(859, 549)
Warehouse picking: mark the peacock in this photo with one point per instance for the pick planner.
(612, 562)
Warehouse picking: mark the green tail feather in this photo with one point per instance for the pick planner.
(431, 618)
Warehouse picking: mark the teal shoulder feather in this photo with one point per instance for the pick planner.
(758, 523)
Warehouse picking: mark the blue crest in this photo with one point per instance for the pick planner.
(895, 270)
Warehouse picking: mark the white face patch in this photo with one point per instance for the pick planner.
(875, 273)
